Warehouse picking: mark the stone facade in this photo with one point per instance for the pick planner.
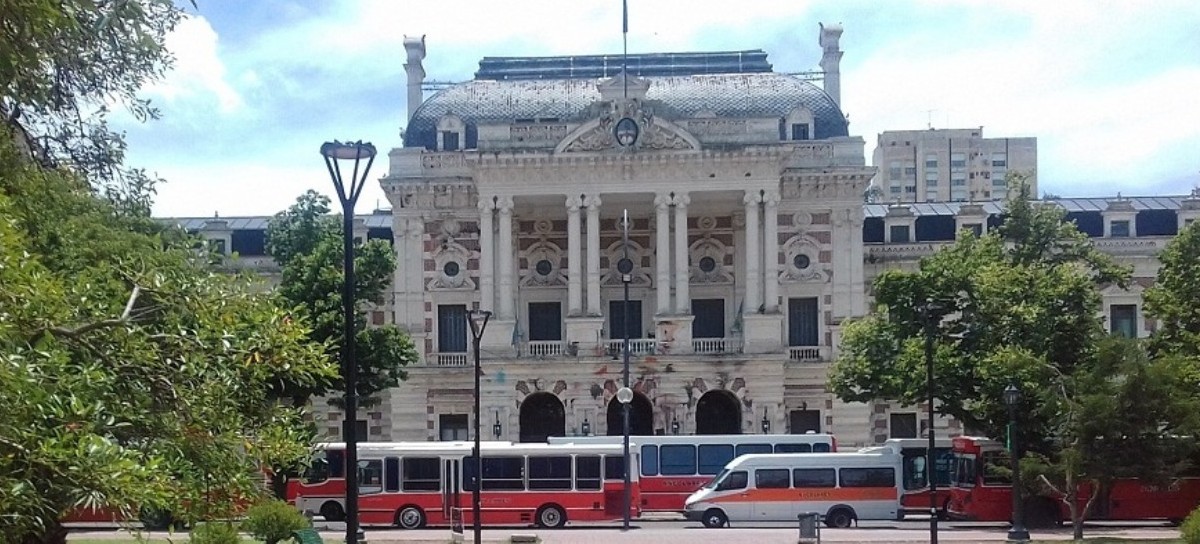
(940, 165)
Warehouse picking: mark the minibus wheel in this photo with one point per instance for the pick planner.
(410, 517)
(551, 516)
(714, 519)
(332, 511)
(840, 518)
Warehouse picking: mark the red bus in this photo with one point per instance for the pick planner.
(414, 484)
(915, 479)
(674, 466)
(980, 493)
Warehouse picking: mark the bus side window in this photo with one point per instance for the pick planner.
(552, 473)
(995, 468)
(614, 467)
(914, 471)
(743, 449)
(391, 474)
(336, 459)
(713, 457)
(421, 474)
(504, 473)
(649, 460)
(677, 460)
(317, 472)
(735, 480)
(814, 477)
(821, 448)
(370, 476)
(771, 478)
(587, 473)
(793, 448)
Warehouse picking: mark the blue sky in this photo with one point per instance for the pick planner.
(1110, 89)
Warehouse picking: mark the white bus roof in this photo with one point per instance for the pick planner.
(698, 439)
(375, 449)
(812, 460)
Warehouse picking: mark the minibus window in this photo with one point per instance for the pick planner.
(814, 477)
(771, 478)
(712, 484)
(735, 480)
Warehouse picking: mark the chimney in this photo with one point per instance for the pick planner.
(415, 47)
(831, 60)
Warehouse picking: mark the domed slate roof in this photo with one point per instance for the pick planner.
(730, 95)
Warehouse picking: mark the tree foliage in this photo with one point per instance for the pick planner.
(1174, 299)
(307, 243)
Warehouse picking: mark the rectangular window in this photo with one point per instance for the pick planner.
(744, 449)
(931, 179)
(998, 180)
(453, 427)
(895, 189)
(336, 461)
(958, 160)
(616, 319)
(958, 180)
(503, 473)
(910, 189)
(714, 457)
(1123, 320)
(550, 473)
(931, 160)
(903, 425)
(1119, 229)
(910, 170)
(370, 476)
(449, 141)
(587, 472)
(899, 234)
(931, 195)
(814, 477)
(975, 228)
(793, 448)
(675, 460)
(868, 477)
(649, 460)
(709, 319)
(799, 131)
(772, 478)
(895, 169)
(803, 321)
(804, 421)
(545, 321)
(217, 245)
(421, 474)
(999, 160)
(391, 474)
(614, 467)
(452, 328)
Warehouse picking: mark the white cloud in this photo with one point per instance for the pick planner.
(198, 72)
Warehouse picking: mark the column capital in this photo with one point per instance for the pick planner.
(574, 203)
(681, 200)
(504, 204)
(771, 198)
(753, 196)
(486, 203)
(592, 201)
(662, 201)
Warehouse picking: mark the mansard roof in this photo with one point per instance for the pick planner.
(1071, 205)
(682, 85)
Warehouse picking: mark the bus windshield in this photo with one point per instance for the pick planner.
(964, 474)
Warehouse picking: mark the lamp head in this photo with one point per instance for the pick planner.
(1012, 395)
(351, 151)
(586, 427)
(624, 395)
(479, 320)
(674, 426)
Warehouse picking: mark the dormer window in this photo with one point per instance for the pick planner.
(451, 132)
(799, 126)
(1120, 229)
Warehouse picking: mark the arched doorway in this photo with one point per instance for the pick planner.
(542, 416)
(641, 417)
(718, 412)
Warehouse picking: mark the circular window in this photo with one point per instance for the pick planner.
(450, 269)
(800, 261)
(625, 266)
(708, 264)
(543, 267)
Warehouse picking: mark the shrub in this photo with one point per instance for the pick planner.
(273, 521)
(215, 532)
(1190, 531)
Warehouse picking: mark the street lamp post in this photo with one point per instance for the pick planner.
(1018, 533)
(625, 395)
(497, 428)
(335, 153)
(479, 320)
(930, 454)
(766, 423)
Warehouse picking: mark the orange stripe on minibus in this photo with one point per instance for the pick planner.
(831, 494)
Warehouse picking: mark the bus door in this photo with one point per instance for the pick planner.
(452, 491)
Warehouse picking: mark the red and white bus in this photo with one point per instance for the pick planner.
(980, 493)
(674, 466)
(915, 479)
(414, 484)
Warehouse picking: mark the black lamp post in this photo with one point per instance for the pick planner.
(1012, 397)
(674, 425)
(625, 394)
(335, 154)
(766, 423)
(930, 455)
(479, 320)
(497, 429)
(586, 427)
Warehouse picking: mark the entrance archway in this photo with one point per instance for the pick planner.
(718, 412)
(542, 416)
(641, 417)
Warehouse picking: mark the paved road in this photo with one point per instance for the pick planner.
(668, 532)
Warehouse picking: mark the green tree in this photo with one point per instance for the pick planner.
(307, 243)
(132, 376)
(1174, 299)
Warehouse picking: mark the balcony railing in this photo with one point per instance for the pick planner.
(808, 354)
(544, 348)
(637, 346)
(712, 345)
(448, 359)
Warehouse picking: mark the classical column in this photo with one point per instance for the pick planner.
(487, 254)
(662, 253)
(683, 301)
(593, 254)
(574, 282)
(771, 251)
(751, 200)
(504, 205)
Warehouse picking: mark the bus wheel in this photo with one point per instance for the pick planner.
(410, 517)
(551, 516)
(840, 518)
(715, 519)
(332, 511)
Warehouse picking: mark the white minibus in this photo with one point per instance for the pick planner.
(841, 487)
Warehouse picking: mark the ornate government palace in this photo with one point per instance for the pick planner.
(749, 240)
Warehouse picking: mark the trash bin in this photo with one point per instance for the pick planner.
(810, 527)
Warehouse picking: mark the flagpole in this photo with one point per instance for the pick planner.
(625, 48)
